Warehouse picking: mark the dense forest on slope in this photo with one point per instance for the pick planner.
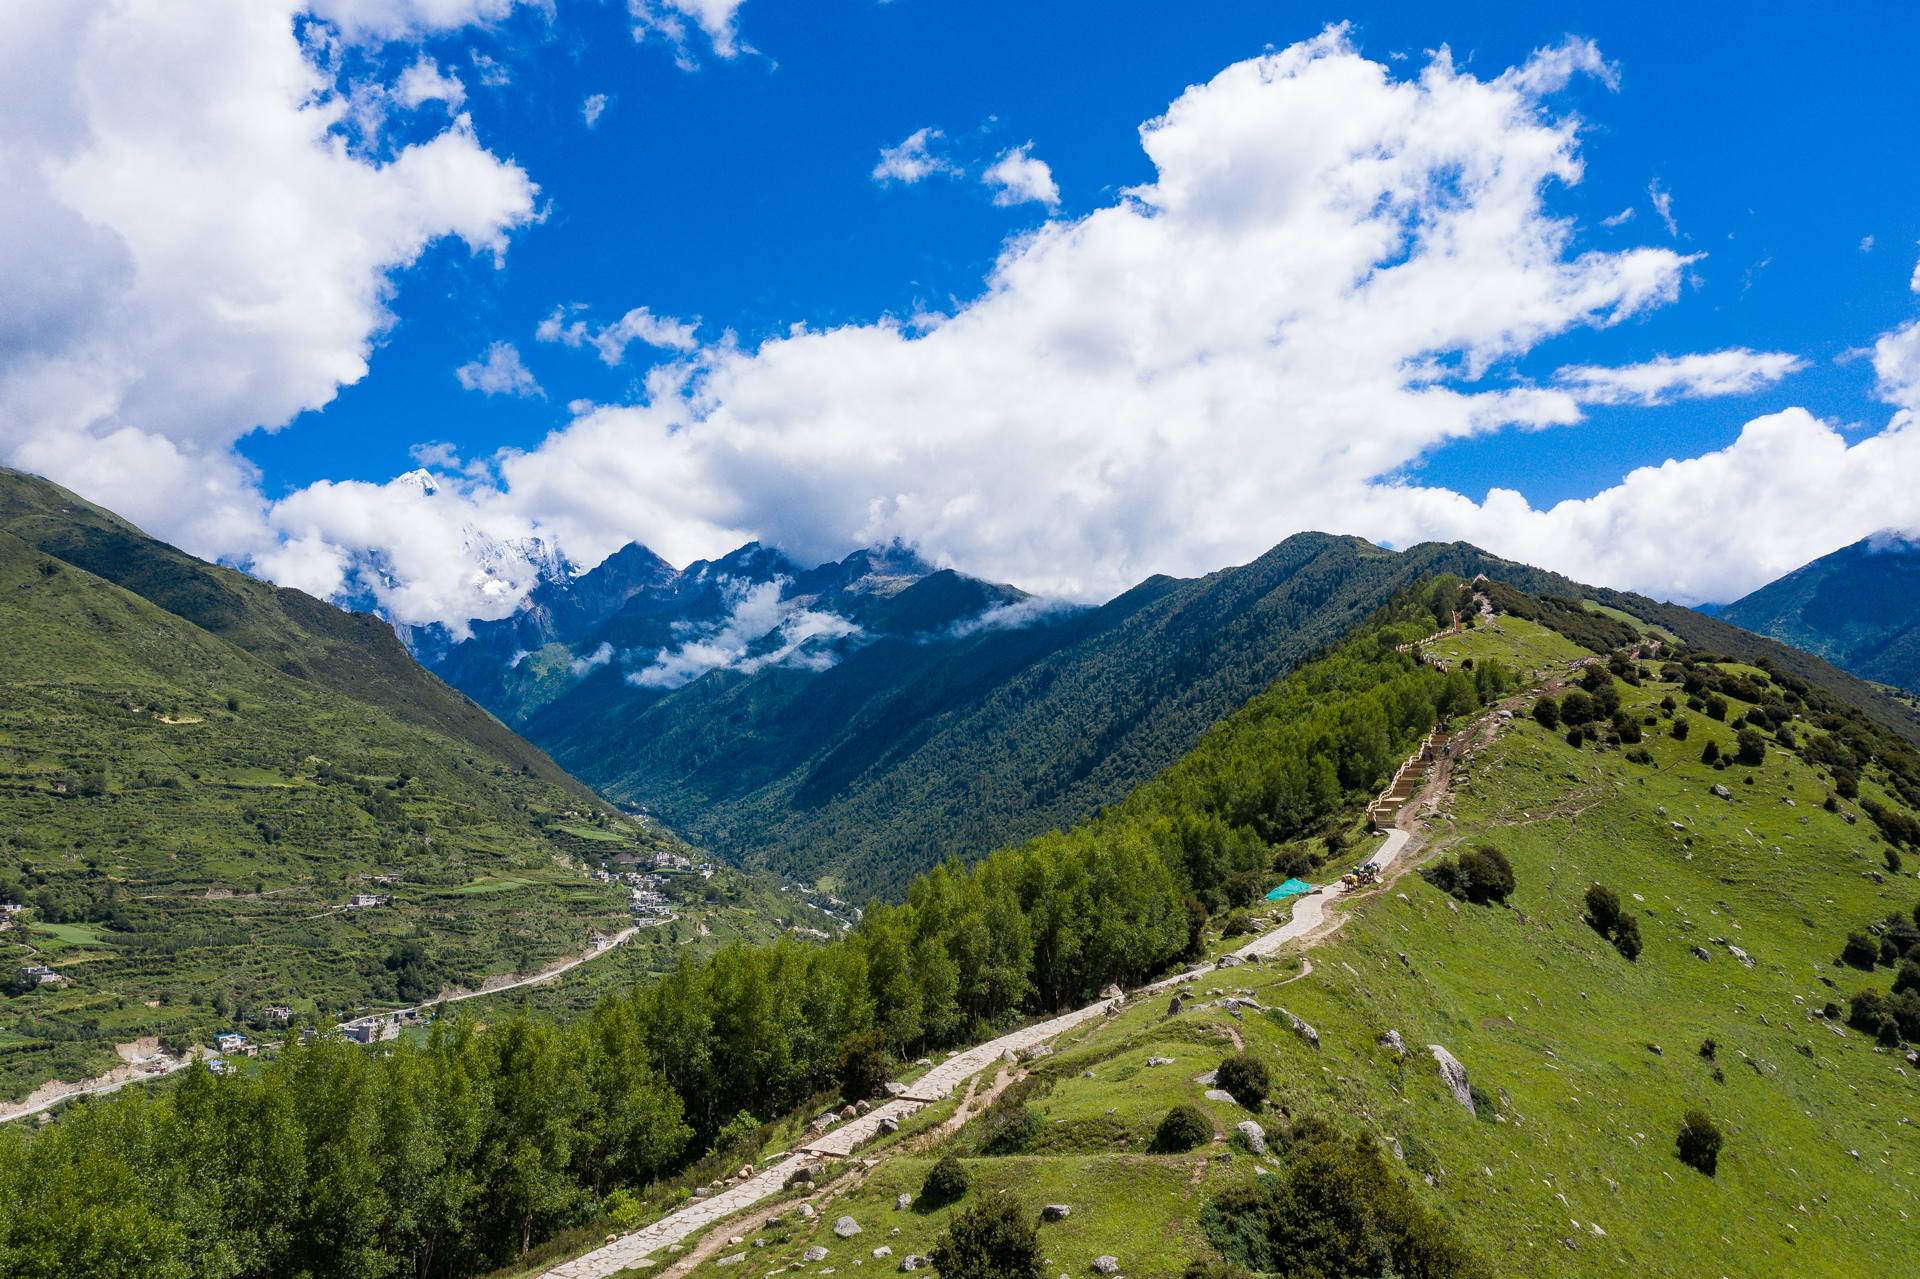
(908, 752)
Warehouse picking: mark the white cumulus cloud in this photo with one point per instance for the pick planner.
(612, 340)
(670, 19)
(1021, 178)
(593, 108)
(192, 251)
(1736, 371)
(499, 372)
(913, 159)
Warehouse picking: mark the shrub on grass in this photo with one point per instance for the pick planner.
(1708, 1048)
(1710, 753)
(1547, 712)
(1576, 737)
(1238, 924)
(1485, 1108)
(1699, 1142)
(1891, 858)
(1752, 748)
(1339, 1213)
(1611, 920)
(1576, 708)
(1014, 1133)
(1603, 908)
(1860, 952)
(995, 1239)
(1681, 727)
(1481, 874)
(946, 1181)
(1185, 1127)
(1908, 977)
(1246, 1077)
(1626, 937)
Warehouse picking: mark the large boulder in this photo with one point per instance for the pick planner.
(882, 1251)
(1392, 1040)
(1056, 1212)
(902, 1202)
(846, 1227)
(912, 1262)
(895, 1088)
(1173, 1006)
(1299, 1027)
(1159, 1061)
(1111, 991)
(805, 1212)
(815, 1253)
(889, 1124)
(1256, 1136)
(1220, 1094)
(1106, 1265)
(1453, 1075)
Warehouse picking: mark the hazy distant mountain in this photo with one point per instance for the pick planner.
(1859, 608)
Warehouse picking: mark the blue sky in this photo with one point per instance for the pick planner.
(1764, 164)
(740, 193)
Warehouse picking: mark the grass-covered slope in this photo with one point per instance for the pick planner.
(909, 752)
(184, 824)
(355, 654)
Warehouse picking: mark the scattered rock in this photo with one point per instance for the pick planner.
(902, 1202)
(848, 1112)
(1722, 791)
(1106, 1265)
(1173, 1006)
(1006, 1054)
(1300, 1028)
(734, 1260)
(801, 1177)
(882, 1251)
(924, 1061)
(1207, 1080)
(806, 1211)
(846, 1227)
(1740, 955)
(1112, 991)
(1219, 1094)
(895, 1088)
(1256, 1137)
(1405, 962)
(1230, 961)
(889, 1124)
(911, 1262)
(1453, 1074)
(701, 1192)
(1392, 1038)
(861, 1107)
(1056, 1212)
(1038, 1051)
(1159, 1061)
(815, 1253)
(1701, 953)
(1452, 906)
(745, 1173)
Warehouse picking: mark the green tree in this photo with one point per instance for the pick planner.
(994, 1239)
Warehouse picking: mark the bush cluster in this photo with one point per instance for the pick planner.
(1608, 918)
(1185, 1127)
(1246, 1077)
(1699, 1142)
(946, 1181)
(1338, 1211)
(994, 1239)
(1480, 874)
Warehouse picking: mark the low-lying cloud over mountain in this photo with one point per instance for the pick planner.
(1331, 275)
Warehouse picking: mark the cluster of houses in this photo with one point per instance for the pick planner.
(7, 911)
(362, 901)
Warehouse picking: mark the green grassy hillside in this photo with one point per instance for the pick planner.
(355, 654)
(186, 825)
